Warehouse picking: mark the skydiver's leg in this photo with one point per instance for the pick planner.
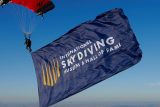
(30, 50)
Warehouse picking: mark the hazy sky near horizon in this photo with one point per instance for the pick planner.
(140, 83)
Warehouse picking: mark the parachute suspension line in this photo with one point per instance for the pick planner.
(27, 19)
(20, 13)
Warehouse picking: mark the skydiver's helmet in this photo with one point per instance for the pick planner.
(3, 2)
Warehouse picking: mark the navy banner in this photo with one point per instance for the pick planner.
(86, 55)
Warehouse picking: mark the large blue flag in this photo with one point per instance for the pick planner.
(86, 55)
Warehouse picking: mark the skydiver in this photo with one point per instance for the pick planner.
(4, 2)
(28, 44)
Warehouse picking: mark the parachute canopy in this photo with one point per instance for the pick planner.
(37, 6)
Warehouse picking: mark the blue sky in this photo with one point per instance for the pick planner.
(139, 84)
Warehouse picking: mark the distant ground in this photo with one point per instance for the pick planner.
(84, 105)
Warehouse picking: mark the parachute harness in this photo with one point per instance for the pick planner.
(27, 35)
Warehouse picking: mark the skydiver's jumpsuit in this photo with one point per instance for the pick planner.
(28, 44)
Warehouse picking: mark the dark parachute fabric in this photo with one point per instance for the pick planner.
(85, 56)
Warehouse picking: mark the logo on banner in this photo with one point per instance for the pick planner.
(79, 56)
(51, 73)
